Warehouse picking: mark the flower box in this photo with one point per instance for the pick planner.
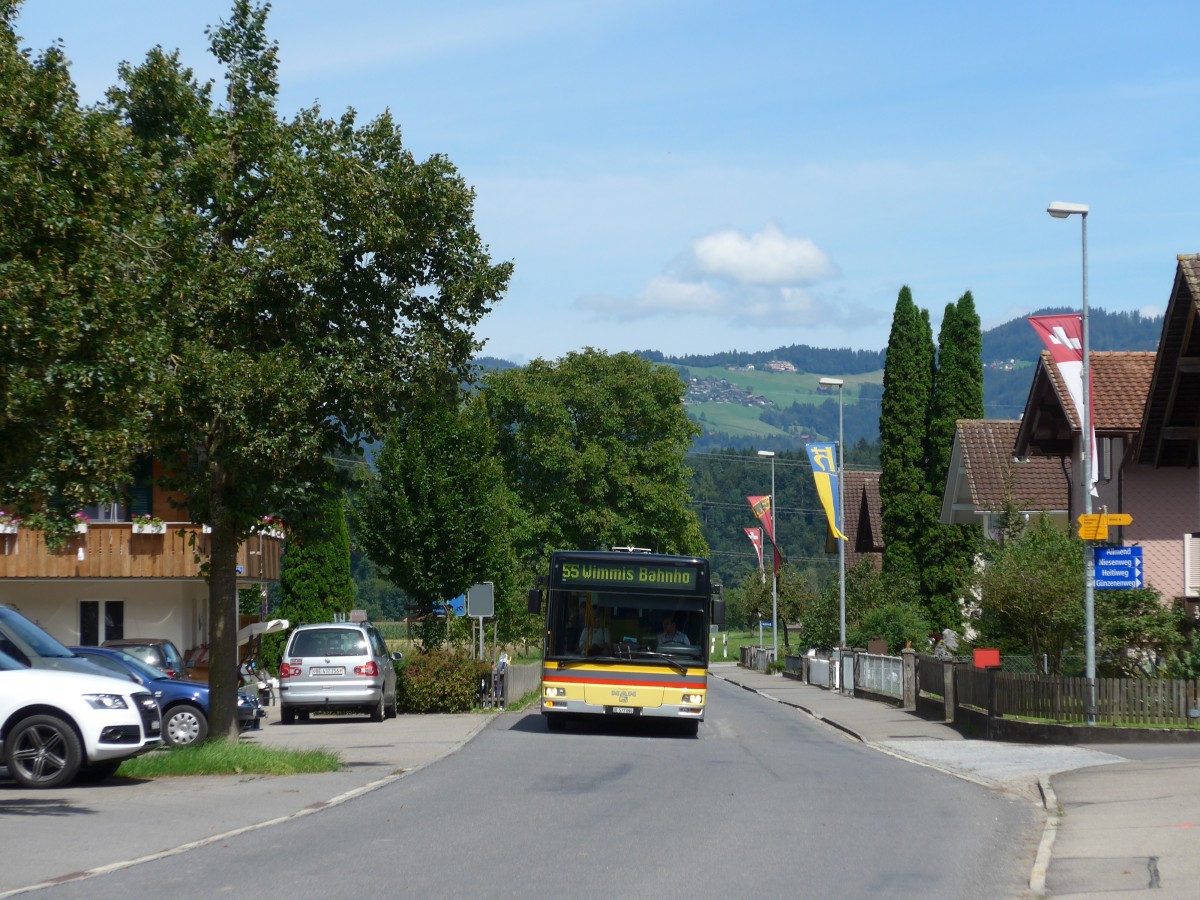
(81, 527)
(8, 528)
(149, 528)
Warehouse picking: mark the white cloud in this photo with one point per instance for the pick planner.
(743, 280)
(769, 257)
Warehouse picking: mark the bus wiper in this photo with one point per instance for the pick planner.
(653, 654)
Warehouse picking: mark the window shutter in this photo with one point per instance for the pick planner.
(141, 491)
(1191, 564)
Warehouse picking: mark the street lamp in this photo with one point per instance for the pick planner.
(1062, 211)
(839, 383)
(774, 566)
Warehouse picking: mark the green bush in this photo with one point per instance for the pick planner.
(439, 681)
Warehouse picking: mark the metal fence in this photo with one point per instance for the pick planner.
(879, 674)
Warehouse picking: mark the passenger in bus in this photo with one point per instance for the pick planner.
(671, 635)
(594, 634)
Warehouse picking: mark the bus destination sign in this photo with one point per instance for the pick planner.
(628, 575)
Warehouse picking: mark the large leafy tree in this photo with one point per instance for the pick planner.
(436, 517)
(318, 279)
(1031, 591)
(79, 341)
(594, 445)
(903, 422)
(948, 552)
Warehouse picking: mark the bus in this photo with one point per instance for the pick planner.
(627, 635)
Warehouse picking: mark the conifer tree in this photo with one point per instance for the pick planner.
(948, 551)
(903, 424)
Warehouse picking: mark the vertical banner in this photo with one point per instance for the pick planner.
(825, 473)
(761, 507)
(756, 538)
(1063, 337)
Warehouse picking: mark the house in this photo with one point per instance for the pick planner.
(985, 478)
(863, 519)
(112, 579)
(1164, 498)
(1146, 417)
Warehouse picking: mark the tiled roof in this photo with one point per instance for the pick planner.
(863, 517)
(1168, 432)
(1120, 382)
(1039, 482)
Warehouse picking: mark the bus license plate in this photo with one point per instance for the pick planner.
(626, 710)
(327, 670)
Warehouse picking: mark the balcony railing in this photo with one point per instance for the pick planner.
(112, 550)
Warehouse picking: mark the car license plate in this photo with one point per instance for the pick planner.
(627, 710)
(327, 670)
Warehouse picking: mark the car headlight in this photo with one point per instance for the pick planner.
(105, 701)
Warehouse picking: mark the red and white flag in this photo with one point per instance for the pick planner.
(755, 535)
(1063, 337)
(761, 507)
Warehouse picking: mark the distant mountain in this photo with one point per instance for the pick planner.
(1010, 352)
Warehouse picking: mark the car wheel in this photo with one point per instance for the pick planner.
(394, 707)
(42, 752)
(689, 727)
(287, 715)
(184, 726)
(377, 710)
(98, 771)
(556, 723)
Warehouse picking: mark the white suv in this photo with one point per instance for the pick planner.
(56, 726)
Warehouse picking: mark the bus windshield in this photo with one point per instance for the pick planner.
(601, 623)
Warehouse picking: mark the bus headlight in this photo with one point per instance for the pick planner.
(693, 699)
(556, 692)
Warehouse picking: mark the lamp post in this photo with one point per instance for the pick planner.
(839, 383)
(774, 567)
(1062, 211)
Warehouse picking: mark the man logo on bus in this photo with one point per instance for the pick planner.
(624, 696)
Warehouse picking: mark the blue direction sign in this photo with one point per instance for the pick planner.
(1118, 568)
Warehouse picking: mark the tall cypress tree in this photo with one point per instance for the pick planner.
(903, 424)
(948, 551)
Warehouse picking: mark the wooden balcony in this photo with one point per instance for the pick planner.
(112, 550)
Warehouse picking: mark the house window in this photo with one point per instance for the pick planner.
(100, 621)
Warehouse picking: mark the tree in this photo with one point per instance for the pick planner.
(903, 423)
(1136, 634)
(79, 341)
(948, 552)
(436, 518)
(594, 445)
(318, 280)
(1031, 591)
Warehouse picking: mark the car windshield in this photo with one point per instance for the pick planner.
(8, 664)
(28, 637)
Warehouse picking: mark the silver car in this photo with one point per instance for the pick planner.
(339, 666)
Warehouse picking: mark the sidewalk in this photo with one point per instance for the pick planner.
(165, 816)
(1119, 818)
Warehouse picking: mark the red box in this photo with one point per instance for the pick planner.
(987, 658)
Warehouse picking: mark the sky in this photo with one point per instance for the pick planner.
(700, 176)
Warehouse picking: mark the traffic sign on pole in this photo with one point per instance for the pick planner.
(1119, 568)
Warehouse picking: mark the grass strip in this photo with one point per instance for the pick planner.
(229, 757)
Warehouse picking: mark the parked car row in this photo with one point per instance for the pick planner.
(68, 713)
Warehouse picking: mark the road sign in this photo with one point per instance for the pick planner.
(1094, 526)
(1119, 568)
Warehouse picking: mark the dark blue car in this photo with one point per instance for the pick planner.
(184, 704)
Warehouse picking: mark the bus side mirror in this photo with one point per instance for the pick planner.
(535, 601)
(718, 612)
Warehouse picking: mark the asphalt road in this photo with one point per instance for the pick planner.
(763, 801)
